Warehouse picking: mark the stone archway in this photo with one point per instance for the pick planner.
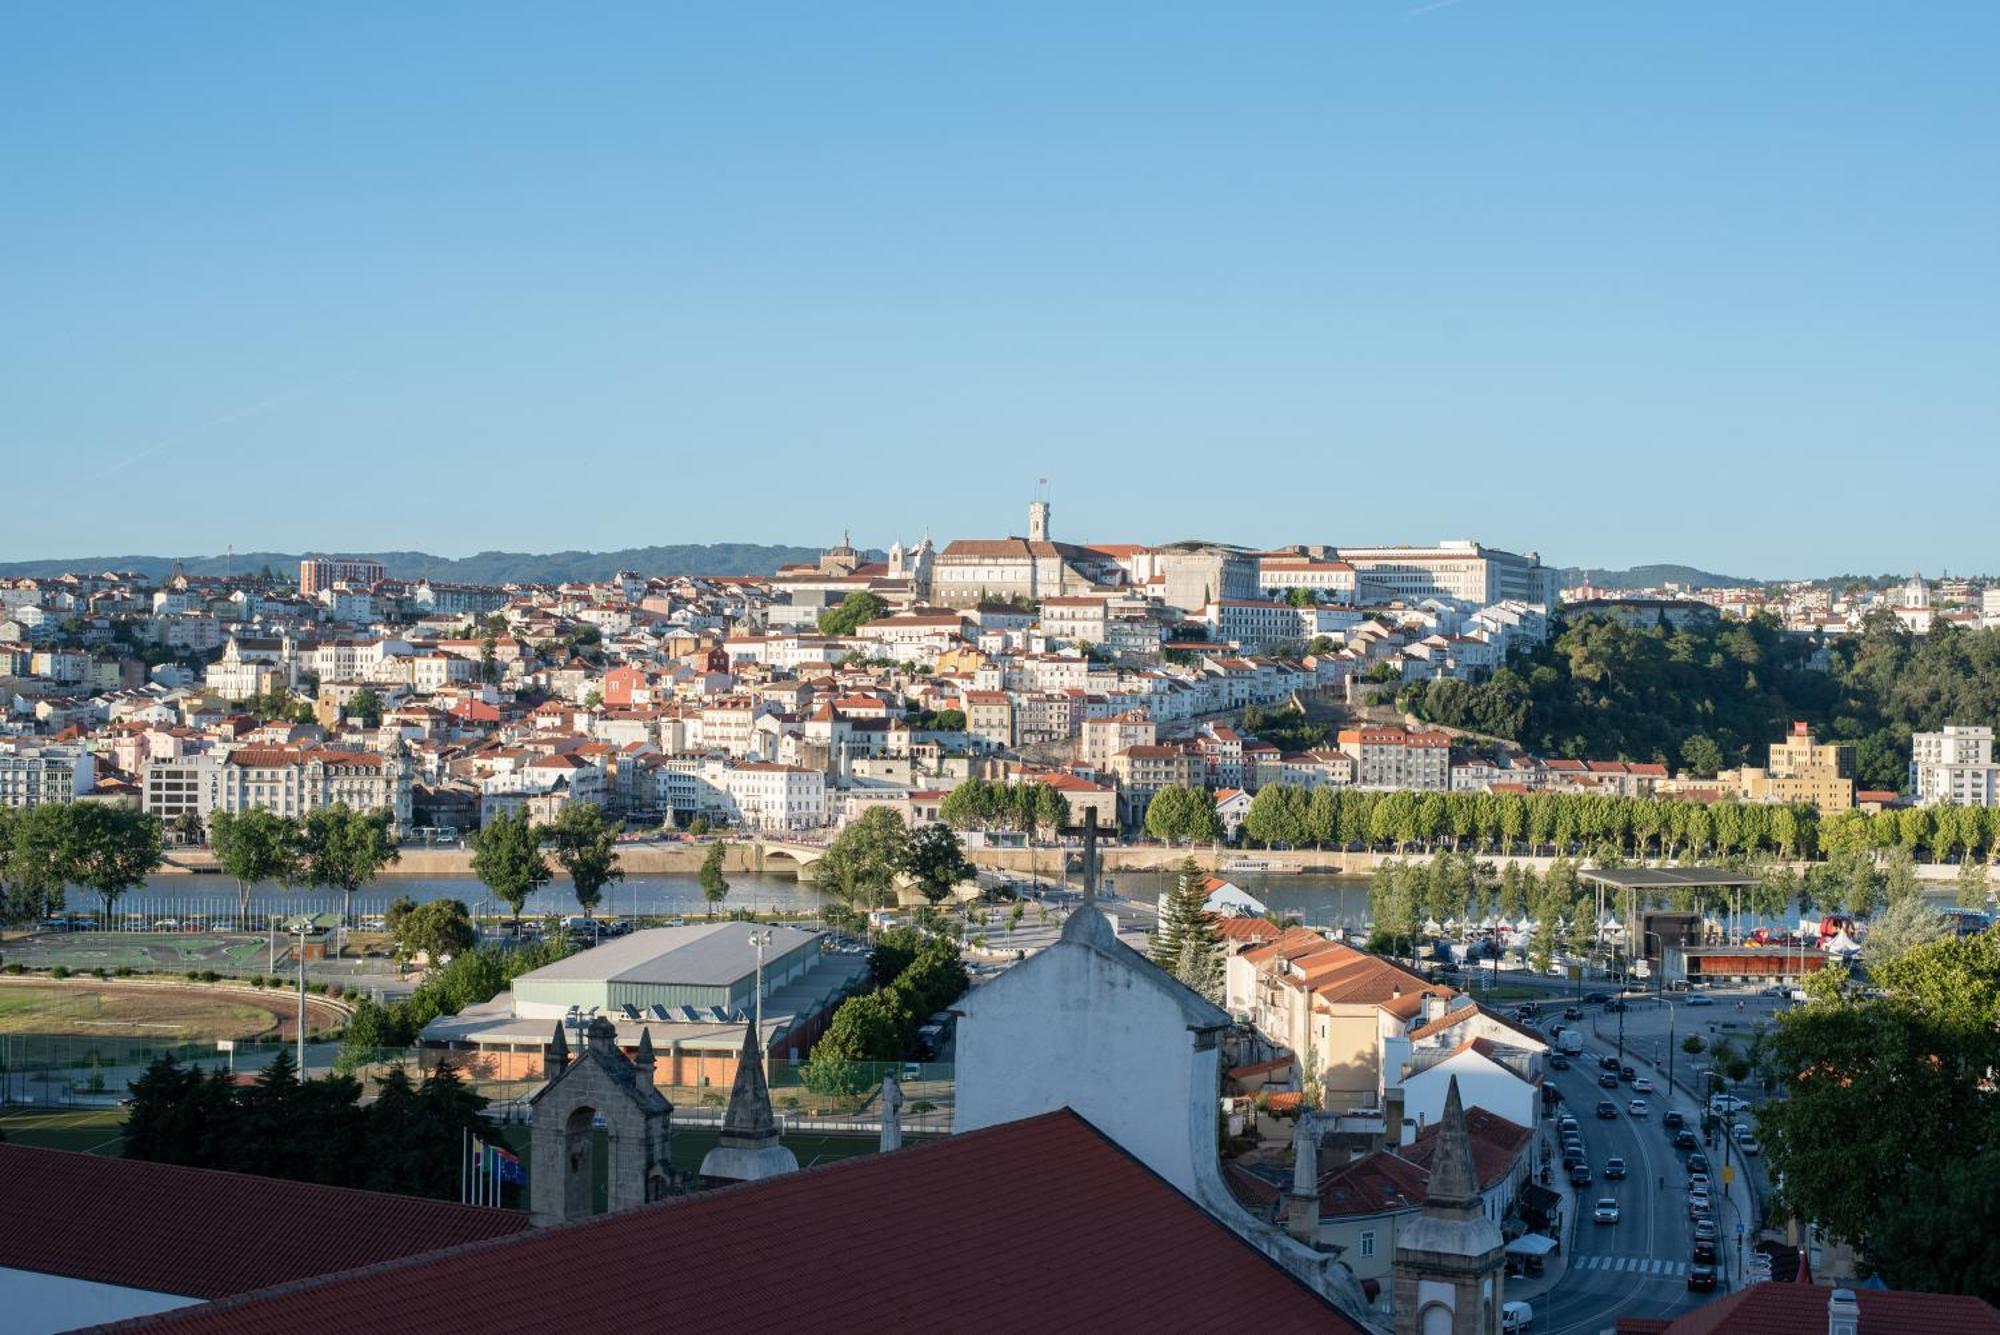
(579, 1164)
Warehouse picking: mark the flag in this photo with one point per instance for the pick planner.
(510, 1167)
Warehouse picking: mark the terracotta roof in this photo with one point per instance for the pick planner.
(1451, 1019)
(106, 1220)
(1800, 1309)
(1044, 1187)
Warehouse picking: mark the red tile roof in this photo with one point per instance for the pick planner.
(1800, 1309)
(1036, 1192)
(206, 1234)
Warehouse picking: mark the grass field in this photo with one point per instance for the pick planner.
(91, 1130)
(172, 951)
(174, 1015)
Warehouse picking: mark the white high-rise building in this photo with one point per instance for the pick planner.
(1954, 766)
(1459, 569)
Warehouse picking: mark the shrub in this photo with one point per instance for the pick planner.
(59, 971)
(14, 969)
(99, 972)
(123, 971)
(193, 975)
(210, 976)
(256, 980)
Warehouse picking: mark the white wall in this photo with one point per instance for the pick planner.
(1481, 1084)
(39, 1304)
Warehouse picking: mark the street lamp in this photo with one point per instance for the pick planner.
(301, 926)
(760, 937)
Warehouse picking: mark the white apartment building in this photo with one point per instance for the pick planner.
(1393, 758)
(1329, 581)
(773, 797)
(1954, 766)
(31, 776)
(286, 781)
(243, 680)
(180, 785)
(1459, 569)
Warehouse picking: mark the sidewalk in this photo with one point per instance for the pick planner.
(1556, 1265)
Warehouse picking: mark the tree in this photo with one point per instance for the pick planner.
(507, 858)
(855, 610)
(586, 846)
(1916, 1059)
(105, 849)
(861, 863)
(934, 859)
(1970, 888)
(1901, 927)
(365, 707)
(344, 849)
(714, 887)
(254, 846)
(1174, 925)
(438, 930)
(1187, 944)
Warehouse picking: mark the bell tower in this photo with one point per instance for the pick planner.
(1450, 1260)
(1038, 521)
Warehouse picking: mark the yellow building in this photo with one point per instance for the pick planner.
(1801, 770)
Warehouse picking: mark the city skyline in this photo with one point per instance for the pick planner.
(1641, 291)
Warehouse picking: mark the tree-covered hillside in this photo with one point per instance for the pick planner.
(1717, 696)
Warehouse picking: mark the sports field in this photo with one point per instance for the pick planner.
(91, 1130)
(173, 952)
(137, 1010)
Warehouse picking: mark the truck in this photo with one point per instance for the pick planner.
(1572, 1041)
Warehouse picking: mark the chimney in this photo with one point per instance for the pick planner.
(1433, 1007)
(1843, 1313)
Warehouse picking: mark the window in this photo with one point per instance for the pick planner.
(1368, 1244)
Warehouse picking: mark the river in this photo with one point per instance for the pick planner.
(1319, 900)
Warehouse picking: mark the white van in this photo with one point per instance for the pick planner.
(1516, 1317)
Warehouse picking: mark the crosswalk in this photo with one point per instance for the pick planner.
(1632, 1265)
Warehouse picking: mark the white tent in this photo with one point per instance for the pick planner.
(1842, 944)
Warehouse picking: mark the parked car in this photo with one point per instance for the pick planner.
(1703, 1253)
(1607, 1111)
(1637, 1108)
(1567, 1123)
(1722, 1105)
(1572, 1157)
(1704, 1230)
(1699, 1206)
(1698, 1182)
(1614, 1168)
(1701, 1279)
(1698, 1162)
(1606, 1211)
(1579, 1176)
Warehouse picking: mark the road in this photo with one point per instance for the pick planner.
(1637, 1267)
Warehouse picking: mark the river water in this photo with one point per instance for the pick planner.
(1318, 900)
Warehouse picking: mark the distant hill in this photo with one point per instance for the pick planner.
(720, 558)
(1652, 577)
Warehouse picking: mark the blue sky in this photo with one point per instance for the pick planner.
(1703, 281)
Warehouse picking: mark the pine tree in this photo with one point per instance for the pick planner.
(1177, 921)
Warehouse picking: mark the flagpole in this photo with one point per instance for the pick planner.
(464, 1158)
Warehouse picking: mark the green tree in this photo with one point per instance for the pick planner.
(934, 859)
(507, 858)
(586, 847)
(344, 849)
(1970, 888)
(1901, 927)
(437, 929)
(252, 847)
(855, 610)
(104, 849)
(861, 863)
(365, 707)
(714, 885)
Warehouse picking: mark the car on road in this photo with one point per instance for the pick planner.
(1558, 1062)
(1572, 1012)
(1698, 1162)
(1608, 1063)
(1596, 998)
(1704, 1230)
(1673, 1119)
(1701, 1279)
(1685, 1139)
(1567, 1123)
(1722, 1105)
(1606, 1211)
(1608, 1080)
(1699, 1000)
(1579, 1176)
(1641, 1085)
(1703, 1253)
(1637, 1108)
(1627, 1074)
(1698, 1182)
(1515, 1317)
(1614, 1168)
(1699, 1206)
(1740, 1132)
(1607, 1111)
(1749, 1145)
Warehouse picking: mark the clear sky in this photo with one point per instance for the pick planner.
(1713, 281)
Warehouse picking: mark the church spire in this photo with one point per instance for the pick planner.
(1454, 1182)
(749, 1123)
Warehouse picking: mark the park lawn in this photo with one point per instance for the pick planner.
(170, 1014)
(89, 1130)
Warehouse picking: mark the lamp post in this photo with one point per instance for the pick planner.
(1673, 1025)
(759, 938)
(301, 927)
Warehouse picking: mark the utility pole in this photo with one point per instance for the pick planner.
(760, 938)
(302, 1000)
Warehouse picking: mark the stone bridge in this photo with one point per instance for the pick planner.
(775, 855)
